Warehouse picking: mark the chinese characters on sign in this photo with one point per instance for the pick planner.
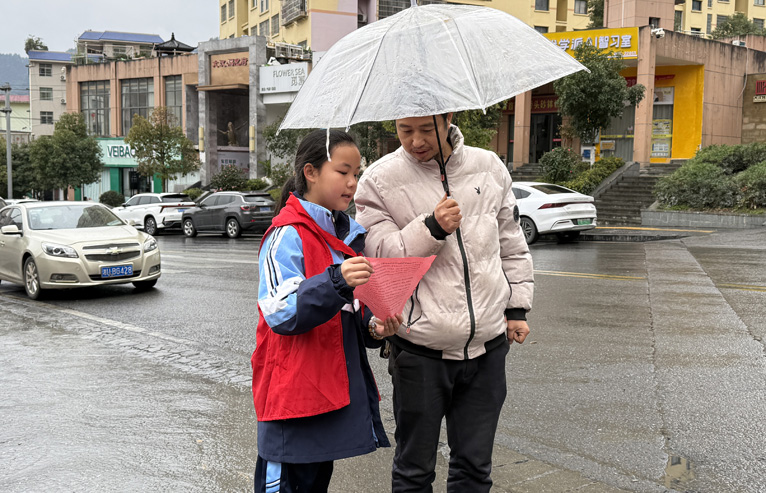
(624, 40)
(662, 134)
(231, 62)
(283, 78)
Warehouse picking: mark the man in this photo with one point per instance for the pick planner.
(448, 359)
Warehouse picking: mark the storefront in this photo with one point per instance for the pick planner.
(120, 172)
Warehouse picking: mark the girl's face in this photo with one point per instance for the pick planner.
(334, 184)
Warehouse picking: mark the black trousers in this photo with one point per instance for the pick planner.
(470, 394)
(271, 477)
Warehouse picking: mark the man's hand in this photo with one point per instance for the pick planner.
(447, 214)
(356, 271)
(517, 331)
(388, 327)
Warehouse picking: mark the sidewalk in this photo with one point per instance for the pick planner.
(641, 233)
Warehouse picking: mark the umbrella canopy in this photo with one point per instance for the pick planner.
(426, 60)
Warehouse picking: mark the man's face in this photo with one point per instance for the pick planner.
(418, 136)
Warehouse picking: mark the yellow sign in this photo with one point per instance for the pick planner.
(623, 40)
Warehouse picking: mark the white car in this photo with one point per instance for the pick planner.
(545, 208)
(60, 245)
(155, 211)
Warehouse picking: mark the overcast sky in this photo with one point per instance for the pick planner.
(60, 22)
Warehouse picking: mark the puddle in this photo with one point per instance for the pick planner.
(679, 472)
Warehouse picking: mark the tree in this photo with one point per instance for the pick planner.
(735, 25)
(592, 99)
(68, 157)
(160, 146)
(24, 181)
(34, 43)
(477, 127)
(596, 13)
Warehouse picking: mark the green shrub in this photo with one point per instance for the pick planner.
(193, 193)
(278, 173)
(256, 184)
(587, 181)
(752, 186)
(732, 159)
(559, 165)
(231, 177)
(112, 198)
(698, 185)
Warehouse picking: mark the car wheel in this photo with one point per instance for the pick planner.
(567, 236)
(189, 230)
(31, 279)
(142, 285)
(150, 226)
(529, 229)
(232, 228)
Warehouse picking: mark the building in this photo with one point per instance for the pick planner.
(701, 17)
(47, 89)
(116, 45)
(21, 126)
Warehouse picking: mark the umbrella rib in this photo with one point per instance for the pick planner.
(369, 73)
(472, 80)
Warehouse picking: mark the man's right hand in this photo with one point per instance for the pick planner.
(447, 214)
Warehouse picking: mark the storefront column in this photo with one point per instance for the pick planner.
(521, 129)
(642, 140)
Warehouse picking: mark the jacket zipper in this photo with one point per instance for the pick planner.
(467, 292)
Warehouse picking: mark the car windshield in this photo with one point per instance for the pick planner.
(176, 198)
(71, 217)
(552, 189)
(257, 198)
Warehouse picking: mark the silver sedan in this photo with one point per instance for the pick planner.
(59, 245)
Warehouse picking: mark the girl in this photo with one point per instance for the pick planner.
(314, 392)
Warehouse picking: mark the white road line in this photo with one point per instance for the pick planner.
(209, 259)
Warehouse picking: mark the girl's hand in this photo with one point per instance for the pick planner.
(356, 271)
(388, 327)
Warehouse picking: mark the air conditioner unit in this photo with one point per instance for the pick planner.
(738, 42)
(63, 77)
(63, 100)
(361, 18)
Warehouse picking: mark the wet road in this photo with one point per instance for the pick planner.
(645, 370)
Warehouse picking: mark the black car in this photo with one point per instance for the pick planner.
(230, 213)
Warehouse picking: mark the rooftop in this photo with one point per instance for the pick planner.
(119, 36)
(54, 56)
(16, 98)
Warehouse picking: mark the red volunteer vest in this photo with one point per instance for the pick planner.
(301, 375)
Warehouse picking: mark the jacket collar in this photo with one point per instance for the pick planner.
(455, 159)
(337, 223)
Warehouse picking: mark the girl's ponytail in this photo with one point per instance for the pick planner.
(287, 189)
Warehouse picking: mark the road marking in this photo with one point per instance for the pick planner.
(586, 275)
(744, 287)
(636, 228)
(209, 259)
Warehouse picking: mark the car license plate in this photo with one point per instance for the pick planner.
(181, 210)
(583, 221)
(117, 271)
(265, 209)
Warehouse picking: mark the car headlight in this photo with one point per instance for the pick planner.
(55, 250)
(150, 244)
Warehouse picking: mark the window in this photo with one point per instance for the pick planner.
(709, 23)
(758, 2)
(263, 28)
(231, 9)
(137, 99)
(46, 94)
(678, 22)
(16, 218)
(696, 5)
(46, 118)
(710, 4)
(264, 5)
(275, 25)
(581, 6)
(758, 23)
(46, 70)
(94, 101)
(173, 98)
(541, 5)
(695, 31)
(654, 22)
(720, 20)
(223, 13)
(541, 29)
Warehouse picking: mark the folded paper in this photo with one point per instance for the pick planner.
(393, 281)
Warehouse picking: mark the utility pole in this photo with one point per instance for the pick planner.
(7, 110)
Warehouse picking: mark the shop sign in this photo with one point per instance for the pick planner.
(761, 98)
(607, 145)
(115, 152)
(663, 95)
(622, 40)
(239, 159)
(760, 87)
(545, 104)
(283, 78)
(662, 134)
(230, 62)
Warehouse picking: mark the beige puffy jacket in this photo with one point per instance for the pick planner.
(481, 270)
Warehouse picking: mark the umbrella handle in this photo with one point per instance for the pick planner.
(442, 167)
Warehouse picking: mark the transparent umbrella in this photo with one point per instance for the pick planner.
(423, 61)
